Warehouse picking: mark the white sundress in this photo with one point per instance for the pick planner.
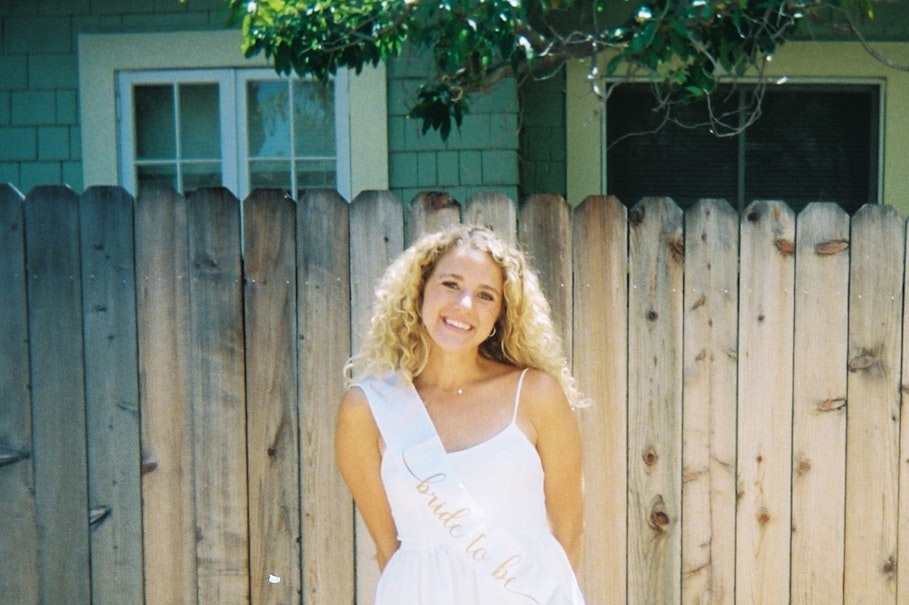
(505, 476)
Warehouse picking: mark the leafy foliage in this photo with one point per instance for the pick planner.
(683, 46)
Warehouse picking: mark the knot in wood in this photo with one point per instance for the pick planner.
(861, 362)
(650, 457)
(677, 248)
(754, 216)
(636, 216)
(763, 516)
(785, 246)
(832, 404)
(659, 518)
(804, 466)
(829, 248)
(652, 315)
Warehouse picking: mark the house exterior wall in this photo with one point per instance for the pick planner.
(41, 131)
(40, 134)
(481, 156)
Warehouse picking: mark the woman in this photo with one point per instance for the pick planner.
(457, 438)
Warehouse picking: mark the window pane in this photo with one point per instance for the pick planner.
(270, 174)
(650, 156)
(314, 119)
(268, 107)
(161, 175)
(316, 174)
(810, 143)
(203, 174)
(813, 145)
(200, 125)
(155, 131)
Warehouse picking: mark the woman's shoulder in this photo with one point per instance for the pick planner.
(541, 392)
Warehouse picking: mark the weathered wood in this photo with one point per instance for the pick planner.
(494, 210)
(544, 233)
(218, 397)
(376, 238)
(112, 393)
(872, 429)
(765, 403)
(819, 408)
(19, 541)
(240, 423)
(431, 211)
(168, 511)
(58, 396)
(902, 588)
(709, 393)
(323, 266)
(655, 295)
(272, 424)
(600, 298)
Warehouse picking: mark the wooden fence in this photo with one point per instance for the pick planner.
(170, 368)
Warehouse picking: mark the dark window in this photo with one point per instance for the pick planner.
(810, 143)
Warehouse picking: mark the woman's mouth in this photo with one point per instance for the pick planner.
(460, 325)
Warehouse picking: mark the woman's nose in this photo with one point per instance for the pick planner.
(465, 300)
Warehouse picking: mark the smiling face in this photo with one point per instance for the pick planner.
(462, 299)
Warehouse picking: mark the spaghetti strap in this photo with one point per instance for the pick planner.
(517, 395)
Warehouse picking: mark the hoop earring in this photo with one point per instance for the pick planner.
(493, 333)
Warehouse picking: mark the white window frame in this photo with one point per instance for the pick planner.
(233, 105)
(361, 100)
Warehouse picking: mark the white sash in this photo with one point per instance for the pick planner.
(488, 548)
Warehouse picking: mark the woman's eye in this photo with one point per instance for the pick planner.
(487, 297)
(450, 284)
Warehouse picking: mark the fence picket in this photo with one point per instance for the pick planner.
(272, 424)
(819, 404)
(600, 311)
(709, 393)
(218, 397)
(765, 403)
(655, 294)
(169, 518)
(58, 396)
(376, 238)
(493, 210)
(872, 426)
(902, 588)
(19, 542)
(112, 394)
(323, 281)
(544, 233)
(431, 211)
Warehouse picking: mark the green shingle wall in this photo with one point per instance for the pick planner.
(40, 139)
(481, 156)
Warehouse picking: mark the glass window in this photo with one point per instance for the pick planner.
(809, 143)
(290, 140)
(190, 129)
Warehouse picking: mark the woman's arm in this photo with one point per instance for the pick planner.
(357, 447)
(558, 443)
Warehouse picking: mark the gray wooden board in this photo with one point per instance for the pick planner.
(19, 543)
(112, 394)
(58, 397)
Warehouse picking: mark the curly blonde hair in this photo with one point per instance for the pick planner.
(524, 334)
